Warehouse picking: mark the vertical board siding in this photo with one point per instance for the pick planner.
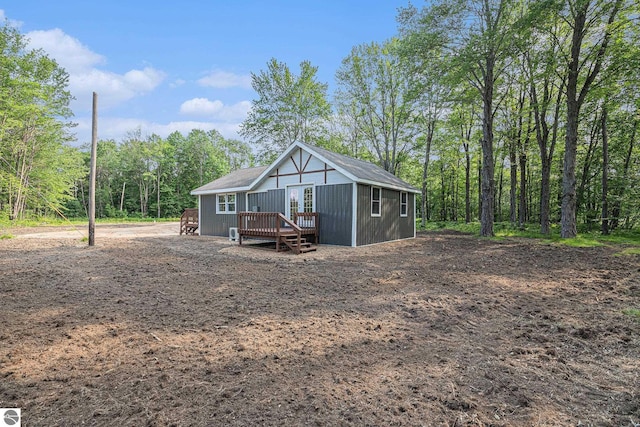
(207, 214)
(241, 201)
(389, 225)
(407, 224)
(270, 201)
(213, 224)
(334, 206)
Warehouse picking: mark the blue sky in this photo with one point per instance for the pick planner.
(166, 66)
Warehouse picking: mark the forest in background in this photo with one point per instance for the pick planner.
(526, 112)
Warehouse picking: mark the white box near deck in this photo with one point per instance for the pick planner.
(233, 234)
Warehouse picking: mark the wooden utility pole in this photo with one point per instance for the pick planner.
(92, 173)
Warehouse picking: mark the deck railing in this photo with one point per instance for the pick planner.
(276, 225)
(189, 221)
(306, 219)
(263, 223)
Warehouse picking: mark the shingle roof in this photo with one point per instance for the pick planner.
(240, 179)
(364, 172)
(357, 170)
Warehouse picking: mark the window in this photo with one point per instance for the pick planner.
(375, 201)
(308, 199)
(403, 203)
(226, 203)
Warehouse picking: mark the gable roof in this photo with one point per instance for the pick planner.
(356, 170)
(238, 180)
(361, 171)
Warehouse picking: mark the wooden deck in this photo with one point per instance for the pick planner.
(189, 221)
(275, 226)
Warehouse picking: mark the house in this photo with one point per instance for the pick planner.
(357, 203)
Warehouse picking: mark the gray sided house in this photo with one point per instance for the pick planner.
(358, 203)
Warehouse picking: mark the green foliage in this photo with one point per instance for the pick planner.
(289, 108)
(375, 93)
(37, 168)
(152, 177)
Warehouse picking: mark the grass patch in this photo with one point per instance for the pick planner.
(40, 222)
(580, 242)
(5, 236)
(629, 251)
(633, 312)
(504, 230)
(471, 228)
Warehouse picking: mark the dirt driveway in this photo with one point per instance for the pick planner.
(152, 328)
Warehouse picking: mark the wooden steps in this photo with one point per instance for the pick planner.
(287, 233)
(291, 242)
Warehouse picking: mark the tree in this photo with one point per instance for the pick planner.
(541, 62)
(431, 92)
(592, 23)
(34, 102)
(289, 108)
(478, 36)
(375, 87)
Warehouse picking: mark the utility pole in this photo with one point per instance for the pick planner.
(92, 173)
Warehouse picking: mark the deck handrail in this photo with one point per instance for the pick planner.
(189, 221)
(291, 223)
(307, 218)
(295, 227)
(264, 224)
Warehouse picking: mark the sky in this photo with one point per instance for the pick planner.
(164, 66)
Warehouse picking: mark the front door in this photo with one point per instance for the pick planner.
(299, 199)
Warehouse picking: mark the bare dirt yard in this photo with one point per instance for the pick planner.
(149, 328)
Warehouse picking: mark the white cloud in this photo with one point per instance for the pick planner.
(216, 110)
(11, 22)
(201, 107)
(72, 55)
(177, 83)
(84, 75)
(236, 112)
(117, 128)
(223, 79)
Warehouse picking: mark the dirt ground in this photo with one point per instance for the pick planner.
(152, 328)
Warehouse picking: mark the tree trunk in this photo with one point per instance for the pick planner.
(425, 170)
(575, 100)
(605, 167)
(443, 207)
(522, 218)
(523, 147)
(158, 192)
(467, 185)
(488, 184)
(122, 196)
(513, 174)
(617, 206)
(568, 220)
(585, 177)
(498, 209)
(479, 186)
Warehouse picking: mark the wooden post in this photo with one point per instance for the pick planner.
(92, 173)
(122, 195)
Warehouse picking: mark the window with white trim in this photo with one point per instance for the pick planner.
(376, 196)
(404, 197)
(226, 203)
(308, 199)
